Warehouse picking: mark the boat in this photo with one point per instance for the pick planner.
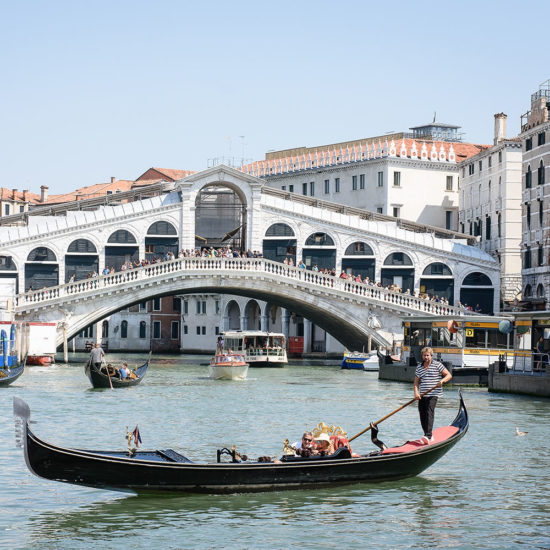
(228, 366)
(39, 341)
(167, 470)
(101, 379)
(360, 361)
(260, 349)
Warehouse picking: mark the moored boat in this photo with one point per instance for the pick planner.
(168, 470)
(106, 376)
(360, 361)
(228, 366)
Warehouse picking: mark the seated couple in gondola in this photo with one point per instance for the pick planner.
(121, 372)
(322, 445)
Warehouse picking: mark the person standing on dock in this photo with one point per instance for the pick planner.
(428, 374)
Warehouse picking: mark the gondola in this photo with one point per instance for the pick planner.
(100, 378)
(7, 376)
(168, 470)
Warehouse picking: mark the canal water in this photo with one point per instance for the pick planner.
(489, 491)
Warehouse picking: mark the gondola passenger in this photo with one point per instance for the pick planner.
(324, 445)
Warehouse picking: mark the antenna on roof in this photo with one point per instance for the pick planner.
(434, 116)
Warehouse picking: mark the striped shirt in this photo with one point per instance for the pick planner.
(430, 377)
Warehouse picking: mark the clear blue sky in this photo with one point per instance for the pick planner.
(96, 89)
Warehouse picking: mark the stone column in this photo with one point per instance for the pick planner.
(264, 322)
(244, 322)
(285, 321)
(307, 335)
(99, 331)
(225, 323)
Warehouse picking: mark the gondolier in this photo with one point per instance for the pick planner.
(428, 374)
(97, 354)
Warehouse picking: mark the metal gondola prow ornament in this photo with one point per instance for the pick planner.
(22, 415)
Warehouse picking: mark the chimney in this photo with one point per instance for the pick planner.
(25, 191)
(500, 127)
(43, 193)
(13, 194)
(113, 179)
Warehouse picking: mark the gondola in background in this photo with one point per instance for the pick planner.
(106, 377)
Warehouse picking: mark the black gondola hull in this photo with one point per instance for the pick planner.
(100, 380)
(12, 375)
(154, 471)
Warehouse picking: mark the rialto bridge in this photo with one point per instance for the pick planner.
(48, 265)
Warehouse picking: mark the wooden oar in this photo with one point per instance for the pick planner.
(392, 413)
(108, 373)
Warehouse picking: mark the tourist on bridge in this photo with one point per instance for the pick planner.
(427, 375)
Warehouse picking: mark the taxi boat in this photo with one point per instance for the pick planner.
(228, 366)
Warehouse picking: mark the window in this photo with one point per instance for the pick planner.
(470, 169)
(337, 185)
(6, 209)
(175, 330)
(541, 213)
(216, 331)
(185, 329)
(527, 258)
(311, 188)
(156, 329)
(198, 331)
(488, 228)
(489, 191)
(204, 330)
(124, 329)
(528, 215)
(283, 187)
(541, 138)
(21, 208)
(541, 173)
(327, 187)
(217, 306)
(105, 326)
(156, 304)
(540, 256)
(143, 306)
(397, 179)
(528, 178)
(499, 225)
(354, 183)
(380, 179)
(528, 144)
(396, 211)
(291, 188)
(201, 307)
(480, 165)
(449, 186)
(304, 189)
(379, 210)
(490, 161)
(142, 329)
(448, 219)
(176, 304)
(361, 181)
(500, 156)
(185, 307)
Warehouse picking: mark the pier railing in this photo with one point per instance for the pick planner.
(244, 266)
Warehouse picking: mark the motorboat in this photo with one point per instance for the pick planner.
(358, 360)
(260, 348)
(228, 366)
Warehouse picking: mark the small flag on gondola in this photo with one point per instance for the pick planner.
(137, 437)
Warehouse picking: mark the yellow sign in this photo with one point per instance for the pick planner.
(469, 332)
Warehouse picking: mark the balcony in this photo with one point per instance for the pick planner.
(498, 204)
(526, 195)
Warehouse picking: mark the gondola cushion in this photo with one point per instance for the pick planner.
(439, 434)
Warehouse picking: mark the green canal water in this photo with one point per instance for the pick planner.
(490, 491)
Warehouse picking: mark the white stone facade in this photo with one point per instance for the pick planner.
(490, 208)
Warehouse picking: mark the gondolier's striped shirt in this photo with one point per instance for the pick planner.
(430, 377)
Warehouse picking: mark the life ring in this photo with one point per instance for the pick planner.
(452, 326)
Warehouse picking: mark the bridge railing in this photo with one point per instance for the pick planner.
(245, 265)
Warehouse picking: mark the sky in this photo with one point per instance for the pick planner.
(93, 90)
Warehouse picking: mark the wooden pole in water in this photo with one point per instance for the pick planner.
(65, 344)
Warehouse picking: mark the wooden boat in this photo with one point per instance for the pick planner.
(100, 379)
(228, 366)
(168, 470)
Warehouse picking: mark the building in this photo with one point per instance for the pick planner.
(490, 204)
(406, 176)
(535, 246)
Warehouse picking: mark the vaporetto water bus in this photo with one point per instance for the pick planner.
(260, 349)
(467, 344)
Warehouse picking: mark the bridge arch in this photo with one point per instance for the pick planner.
(280, 243)
(437, 280)
(477, 289)
(122, 246)
(359, 259)
(319, 250)
(41, 268)
(232, 316)
(252, 315)
(10, 270)
(161, 239)
(398, 269)
(81, 260)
